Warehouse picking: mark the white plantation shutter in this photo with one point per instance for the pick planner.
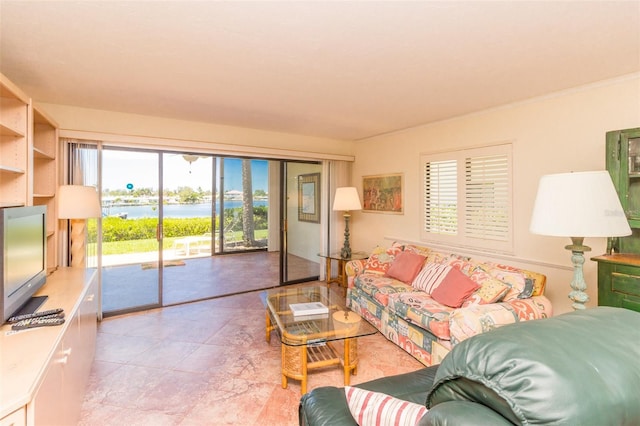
(441, 197)
(467, 198)
(487, 197)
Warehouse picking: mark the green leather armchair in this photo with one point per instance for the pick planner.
(579, 368)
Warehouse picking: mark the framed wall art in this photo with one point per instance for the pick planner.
(383, 193)
(309, 198)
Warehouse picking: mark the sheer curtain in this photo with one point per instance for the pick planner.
(336, 174)
(83, 169)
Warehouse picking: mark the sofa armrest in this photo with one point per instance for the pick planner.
(353, 268)
(476, 319)
(462, 413)
(327, 406)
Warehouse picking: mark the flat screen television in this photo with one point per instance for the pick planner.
(23, 254)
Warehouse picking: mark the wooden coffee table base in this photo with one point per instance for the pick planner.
(311, 342)
(298, 360)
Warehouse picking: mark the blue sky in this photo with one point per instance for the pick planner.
(140, 169)
(233, 174)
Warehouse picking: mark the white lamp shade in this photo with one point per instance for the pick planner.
(581, 204)
(78, 202)
(346, 199)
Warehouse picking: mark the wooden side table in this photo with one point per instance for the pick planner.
(341, 278)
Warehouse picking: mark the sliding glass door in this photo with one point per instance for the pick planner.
(132, 211)
(243, 206)
(189, 230)
(301, 222)
(167, 216)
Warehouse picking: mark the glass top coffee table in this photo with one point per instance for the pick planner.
(311, 341)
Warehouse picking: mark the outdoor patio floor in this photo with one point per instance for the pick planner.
(198, 278)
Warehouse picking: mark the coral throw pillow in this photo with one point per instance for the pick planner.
(430, 277)
(374, 408)
(454, 289)
(406, 266)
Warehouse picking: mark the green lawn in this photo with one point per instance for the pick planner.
(150, 244)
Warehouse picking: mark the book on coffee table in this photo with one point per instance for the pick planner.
(310, 308)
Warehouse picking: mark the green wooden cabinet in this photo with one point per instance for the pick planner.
(619, 270)
(623, 164)
(619, 280)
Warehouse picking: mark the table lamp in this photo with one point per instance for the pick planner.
(78, 203)
(346, 199)
(578, 205)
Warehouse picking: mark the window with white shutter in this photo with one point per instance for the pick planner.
(467, 198)
(441, 198)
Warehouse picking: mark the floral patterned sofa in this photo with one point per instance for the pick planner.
(427, 301)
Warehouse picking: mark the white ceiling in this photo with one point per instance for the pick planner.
(338, 69)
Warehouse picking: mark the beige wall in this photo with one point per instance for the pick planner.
(553, 134)
(303, 238)
(556, 133)
(156, 131)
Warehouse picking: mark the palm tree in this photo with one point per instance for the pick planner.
(247, 206)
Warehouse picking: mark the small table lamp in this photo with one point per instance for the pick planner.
(346, 199)
(78, 203)
(578, 205)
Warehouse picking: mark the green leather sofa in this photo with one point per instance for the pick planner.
(579, 368)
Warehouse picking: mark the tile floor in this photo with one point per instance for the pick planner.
(207, 363)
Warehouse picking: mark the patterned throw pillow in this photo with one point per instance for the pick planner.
(491, 289)
(380, 260)
(406, 266)
(515, 279)
(374, 408)
(430, 277)
(438, 257)
(422, 251)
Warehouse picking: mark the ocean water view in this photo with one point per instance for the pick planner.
(172, 210)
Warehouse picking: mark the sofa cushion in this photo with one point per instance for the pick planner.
(419, 308)
(454, 289)
(381, 259)
(370, 408)
(423, 251)
(464, 264)
(380, 287)
(406, 266)
(476, 319)
(438, 257)
(430, 277)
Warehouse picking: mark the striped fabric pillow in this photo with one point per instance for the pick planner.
(378, 409)
(430, 277)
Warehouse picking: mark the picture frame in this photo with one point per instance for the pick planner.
(383, 193)
(309, 198)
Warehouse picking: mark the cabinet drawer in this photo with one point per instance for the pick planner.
(625, 283)
(630, 302)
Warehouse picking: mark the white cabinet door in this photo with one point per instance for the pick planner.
(17, 418)
(48, 406)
